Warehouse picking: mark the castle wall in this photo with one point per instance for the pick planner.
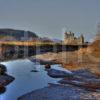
(70, 39)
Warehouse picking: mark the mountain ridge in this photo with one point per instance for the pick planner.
(17, 34)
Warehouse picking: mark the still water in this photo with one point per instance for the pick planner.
(25, 80)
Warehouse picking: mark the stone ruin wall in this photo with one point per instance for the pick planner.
(70, 39)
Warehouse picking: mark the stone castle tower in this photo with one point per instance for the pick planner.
(70, 39)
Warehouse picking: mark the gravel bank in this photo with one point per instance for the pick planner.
(60, 92)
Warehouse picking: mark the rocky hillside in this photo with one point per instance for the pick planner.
(95, 48)
(17, 34)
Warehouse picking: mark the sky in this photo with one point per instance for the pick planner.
(50, 18)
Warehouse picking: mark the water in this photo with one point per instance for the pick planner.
(25, 80)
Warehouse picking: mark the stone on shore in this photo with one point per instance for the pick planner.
(75, 85)
(58, 73)
(60, 92)
(6, 79)
(43, 62)
(83, 79)
(92, 85)
(85, 73)
(2, 89)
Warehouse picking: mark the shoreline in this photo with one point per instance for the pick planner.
(71, 60)
(60, 92)
(73, 89)
(55, 58)
(4, 81)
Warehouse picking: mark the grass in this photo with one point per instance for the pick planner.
(26, 43)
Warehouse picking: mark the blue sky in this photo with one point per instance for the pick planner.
(51, 17)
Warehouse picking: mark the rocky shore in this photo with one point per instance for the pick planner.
(70, 60)
(5, 79)
(61, 92)
(74, 85)
(83, 84)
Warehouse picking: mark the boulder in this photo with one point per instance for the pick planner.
(83, 78)
(58, 73)
(85, 73)
(43, 62)
(87, 84)
(47, 66)
(2, 89)
(6, 79)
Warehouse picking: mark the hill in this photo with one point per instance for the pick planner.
(94, 48)
(17, 34)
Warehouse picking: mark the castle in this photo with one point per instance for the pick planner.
(70, 39)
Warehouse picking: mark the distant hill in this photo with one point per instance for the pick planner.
(17, 34)
(57, 40)
(47, 39)
(21, 35)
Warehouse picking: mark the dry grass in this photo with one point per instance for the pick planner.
(25, 43)
(84, 58)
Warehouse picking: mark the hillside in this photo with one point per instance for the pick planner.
(17, 34)
(94, 48)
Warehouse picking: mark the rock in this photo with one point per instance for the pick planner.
(43, 62)
(84, 79)
(6, 79)
(47, 66)
(2, 89)
(58, 73)
(61, 92)
(34, 70)
(84, 73)
(90, 85)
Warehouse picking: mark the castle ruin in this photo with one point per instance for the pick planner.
(70, 39)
